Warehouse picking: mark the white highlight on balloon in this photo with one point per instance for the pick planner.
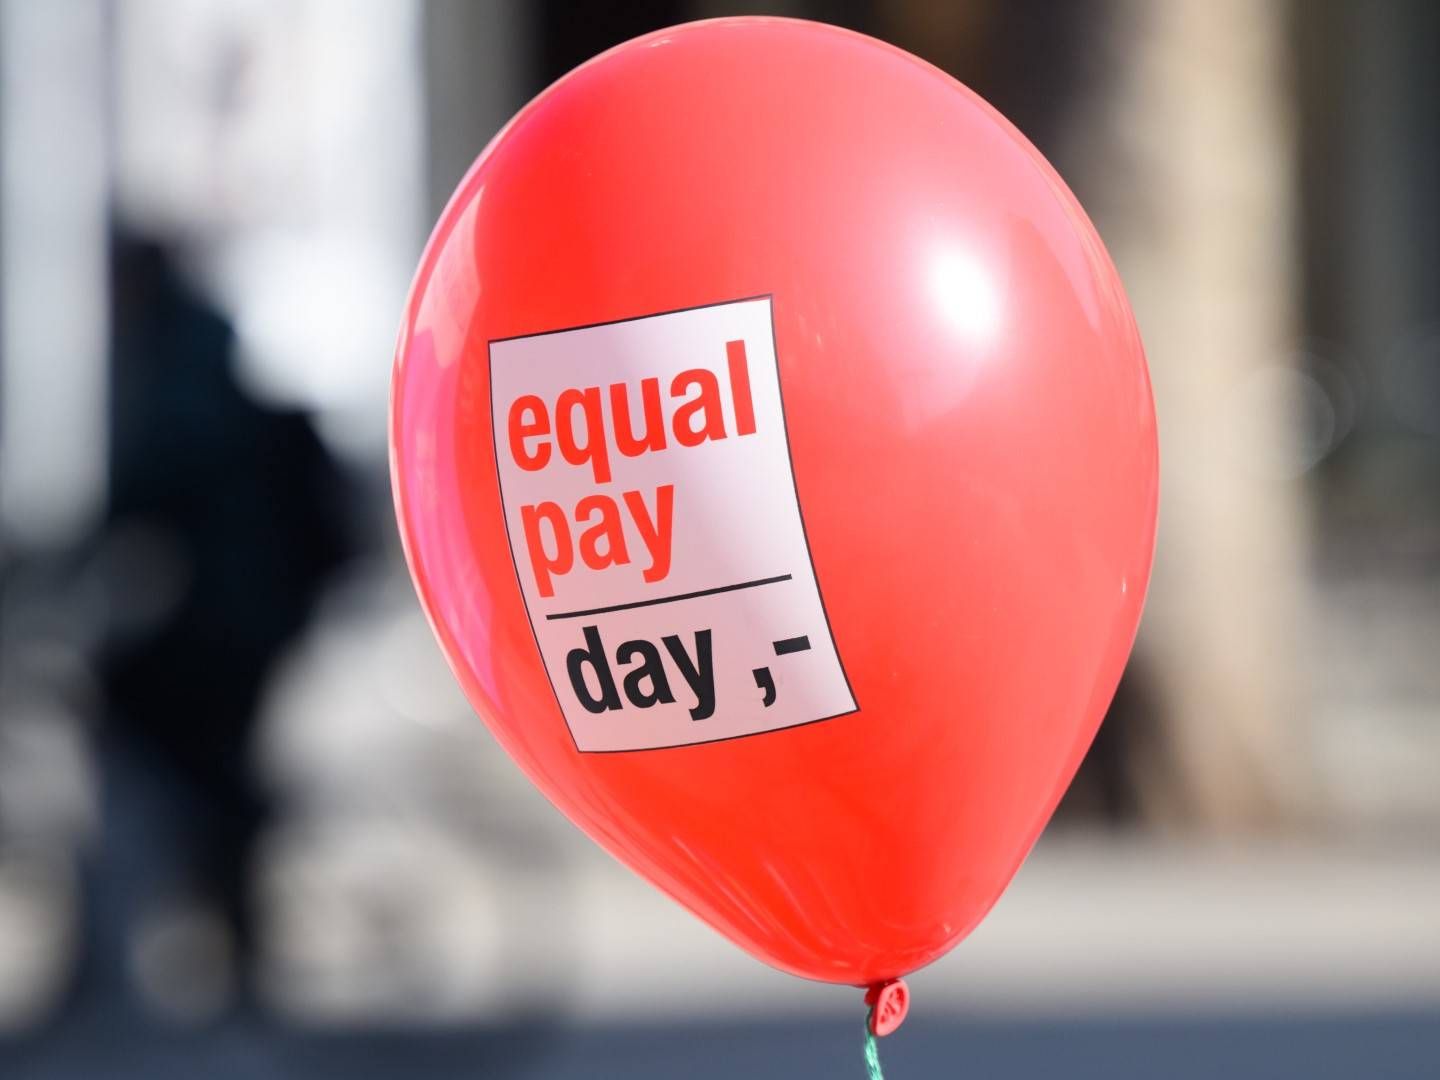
(965, 293)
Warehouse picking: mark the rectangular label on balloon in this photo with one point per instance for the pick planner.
(651, 508)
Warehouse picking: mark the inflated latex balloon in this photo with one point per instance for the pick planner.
(775, 457)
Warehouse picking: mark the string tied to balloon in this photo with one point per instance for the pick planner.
(889, 1003)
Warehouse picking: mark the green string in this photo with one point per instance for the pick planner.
(872, 1053)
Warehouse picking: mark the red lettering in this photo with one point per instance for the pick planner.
(705, 404)
(656, 532)
(544, 564)
(593, 451)
(609, 528)
(579, 425)
(522, 429)
(740, 388)
(625, 438)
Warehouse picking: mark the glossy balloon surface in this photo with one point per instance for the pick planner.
(973, 444)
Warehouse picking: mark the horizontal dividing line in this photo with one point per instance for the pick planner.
(670, 599)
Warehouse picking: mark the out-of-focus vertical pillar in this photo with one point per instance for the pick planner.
(1191, 180)
(53, 307)
(478, 58)
(275, 150)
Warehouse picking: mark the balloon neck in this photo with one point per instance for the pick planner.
(889, 1003)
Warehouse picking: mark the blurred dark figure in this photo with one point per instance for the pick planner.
(225, 518)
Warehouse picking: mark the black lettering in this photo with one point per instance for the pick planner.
(652, 667)
(699, 674)
(594, 655)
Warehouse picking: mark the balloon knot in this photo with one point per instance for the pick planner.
(889, 1003)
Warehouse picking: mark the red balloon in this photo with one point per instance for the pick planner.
(774, 455)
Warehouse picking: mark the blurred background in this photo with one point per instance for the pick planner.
(248, 827)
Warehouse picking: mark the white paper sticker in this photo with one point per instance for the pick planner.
(651, 508)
